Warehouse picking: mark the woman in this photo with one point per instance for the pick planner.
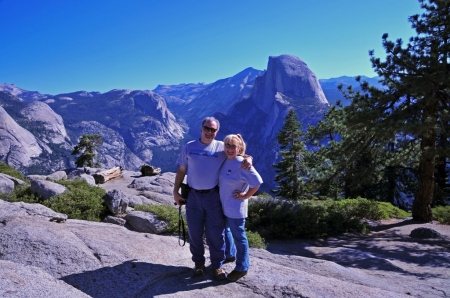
(236, 186)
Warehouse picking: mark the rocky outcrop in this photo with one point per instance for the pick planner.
(87, 259)
(140, 117)
(53, 130)
(6, 184)
(116, 201)
(114, 151)
(17, 145)
(219, 96)
(46, 189)
(287, 84)
(43, 252)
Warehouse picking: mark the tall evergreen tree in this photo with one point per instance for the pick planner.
(348, 161)
(87, 146)
(414, 103)
(291, 169)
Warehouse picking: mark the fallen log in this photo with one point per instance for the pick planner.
(105, 176)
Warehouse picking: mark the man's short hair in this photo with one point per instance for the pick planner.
(211, 119)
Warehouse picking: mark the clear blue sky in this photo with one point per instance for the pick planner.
(58, 46)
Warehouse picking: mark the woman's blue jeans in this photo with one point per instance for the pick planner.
(236, 227)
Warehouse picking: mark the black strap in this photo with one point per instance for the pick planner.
(181, 226)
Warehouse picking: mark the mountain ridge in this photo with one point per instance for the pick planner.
(143, 126)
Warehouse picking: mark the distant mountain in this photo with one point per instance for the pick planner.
(330, 87)
(24, 95)
(38, 131)
(287, 84)
(196, 102)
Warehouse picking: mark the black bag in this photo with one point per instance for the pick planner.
(184, 190)
(184, 194)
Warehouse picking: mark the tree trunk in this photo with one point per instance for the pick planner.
(102, 177)
(421, 210)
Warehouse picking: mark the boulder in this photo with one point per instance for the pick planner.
(114, 220)
(116, 201)
(6, 185)
(145, 222)
(46, 189)
(15, 180)
(139, 200)
(59, 175)
(425, 233)
(34, 210)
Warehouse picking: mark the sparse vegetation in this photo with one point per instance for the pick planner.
(87, 147)
(283, 219)
(168, 214)
(5, 169)
(79, 201)
(255, 240)
(442, 214)
(21, 193)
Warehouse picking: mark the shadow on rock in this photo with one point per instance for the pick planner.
(139, 279)
(389, 251)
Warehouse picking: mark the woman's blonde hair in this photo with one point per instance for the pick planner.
(236, 140)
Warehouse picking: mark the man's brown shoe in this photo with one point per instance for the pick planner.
(235, 275)
(199, 269)
(219, 274)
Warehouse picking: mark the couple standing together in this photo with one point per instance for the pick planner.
(221, 181)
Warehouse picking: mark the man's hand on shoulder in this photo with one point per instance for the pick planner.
(247, 162)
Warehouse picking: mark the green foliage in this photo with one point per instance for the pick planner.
(442, 214)
(166, 213)
(87, 146)
(291, 169)
(390, 211)
(5, 169)
(21, 193)
(282, 219)
(79, 201)
(255, 240)
(392, 137)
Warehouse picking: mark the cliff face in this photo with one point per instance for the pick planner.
(132, 124)
(287, 84)
(18, 145)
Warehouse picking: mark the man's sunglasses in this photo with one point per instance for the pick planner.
(209, 129)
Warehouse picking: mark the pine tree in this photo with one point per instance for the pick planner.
(88, 146)
(291, 169)
(412, 111)
(347, 162)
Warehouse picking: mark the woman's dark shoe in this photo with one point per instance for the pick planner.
(235, 275)
(229, 260)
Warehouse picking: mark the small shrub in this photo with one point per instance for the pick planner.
(5, 169)
(390, 211)
(442, 214)
(281, 219)
(79, 201)
(166, 213)
(21, 193)
(255, 240)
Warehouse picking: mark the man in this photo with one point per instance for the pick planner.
(201, 160)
